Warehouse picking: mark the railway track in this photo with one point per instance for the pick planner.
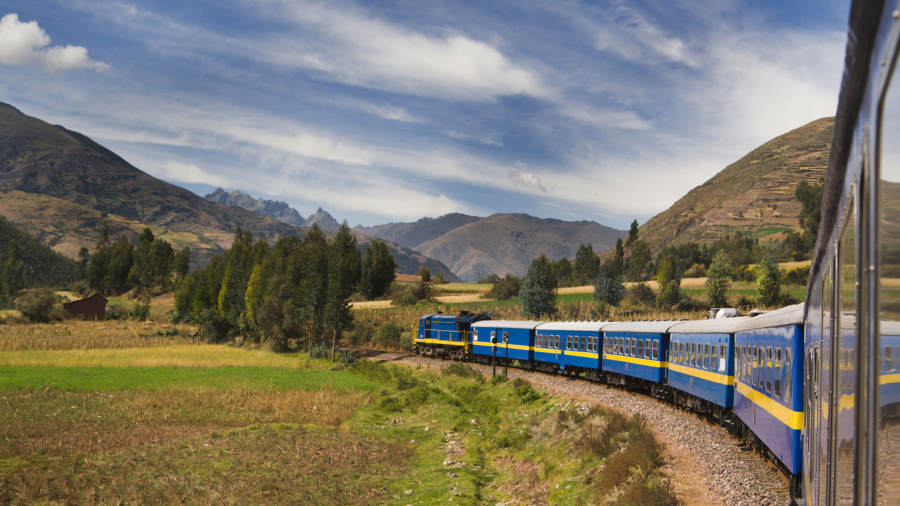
(730, 472)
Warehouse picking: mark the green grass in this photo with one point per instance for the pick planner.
(762, 232)
(178, 378)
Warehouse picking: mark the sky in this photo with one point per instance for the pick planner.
(384, 111)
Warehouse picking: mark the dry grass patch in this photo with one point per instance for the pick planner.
(80, 335)
(257, 465)
(42, 425)
(197, 355)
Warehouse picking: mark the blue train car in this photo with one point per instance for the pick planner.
(889, 373)
(701, 365)
(514, 341)
(445, 335)
(569, 347)
(634, 353)
(768, 396)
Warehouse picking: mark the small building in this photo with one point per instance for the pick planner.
(89, 308)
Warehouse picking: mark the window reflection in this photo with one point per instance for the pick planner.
(888, 448)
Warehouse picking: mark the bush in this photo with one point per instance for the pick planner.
(59, 314)
(463, 371)
(525, 391)
(321, 349)
(388, 336)
(37, 306)
(609, 286)
(362, 334)
(505, 288)
(116, 313)
(141, 310)
(641, 293)
(768, 281)
(696, 271)
(213, 327)
(499, 380)
(797, 276)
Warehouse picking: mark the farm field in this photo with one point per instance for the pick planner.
(211, 424)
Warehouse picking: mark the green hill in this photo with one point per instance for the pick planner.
(43, 266)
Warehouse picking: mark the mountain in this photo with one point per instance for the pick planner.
(39, 158)
(324, 220)
(422, 231)
(60, 187)
(281, 211)
(754, 194)
(474, 247)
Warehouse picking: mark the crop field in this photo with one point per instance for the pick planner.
(178, 421)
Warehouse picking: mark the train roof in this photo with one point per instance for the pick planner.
(790, 315)
(506, 324)
(711, 326)
(575, 326)
(648, 326)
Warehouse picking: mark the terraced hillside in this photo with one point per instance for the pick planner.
(754, 194)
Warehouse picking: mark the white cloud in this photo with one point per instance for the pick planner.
(630, 35)
(490, 141)
(361, 50)
(527, 180)
(605, 118)
(26, 43)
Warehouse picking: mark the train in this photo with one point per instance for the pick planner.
(815, 386)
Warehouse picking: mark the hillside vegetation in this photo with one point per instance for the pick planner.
(42, 265)
(754, 195)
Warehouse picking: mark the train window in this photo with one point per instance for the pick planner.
(706, 356)
(768, 371)
(714, 359)
(582, 342)
(647, 348)
(568, 342)
(787, 375)
(888, 359)
(556, 345)
(640, 348)
(627, 346)
(738, 364)
(617, 345)
(633, 346)
(753, 365)
(606, 344)
(655, 349)
(777, 370)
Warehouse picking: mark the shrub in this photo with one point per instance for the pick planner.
(505, 288)
(768, 281)
(362, 334)
(797, 276)
(321, 349)
(463, 371)
(525, 391)
(609, 286)
(499, 380)
(696, 271)
(641, 293)
(141, 310)
(116, 312)
(717, 280)
(391, 404)
(213, 327)
(388, 336)
(59, 314)
(37, 306)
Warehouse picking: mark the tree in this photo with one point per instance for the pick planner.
(181, 264)
(768, 281)
(12, 274)
(424, 273)
(83, 256)
(506, 288)
(378, 270)
(669, 283)
(608, 285)
(538, 293)
(632, 234)
(565, 273)
(637, 264)
(717, 280)
(314, 287)
(620, 251)
(810, 197)
(343, 277)
(587, 265)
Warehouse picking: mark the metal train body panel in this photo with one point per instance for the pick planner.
(637, 349)
(636, 354)
(514, 339)
(700, 365)
(572, 345)
(769, 390)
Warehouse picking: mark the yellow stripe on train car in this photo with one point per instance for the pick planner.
(787, 416)
(634, 360)
(705, 375)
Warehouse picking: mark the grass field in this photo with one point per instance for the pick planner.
(181, 422)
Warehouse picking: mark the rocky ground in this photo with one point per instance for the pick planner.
(707, 464)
